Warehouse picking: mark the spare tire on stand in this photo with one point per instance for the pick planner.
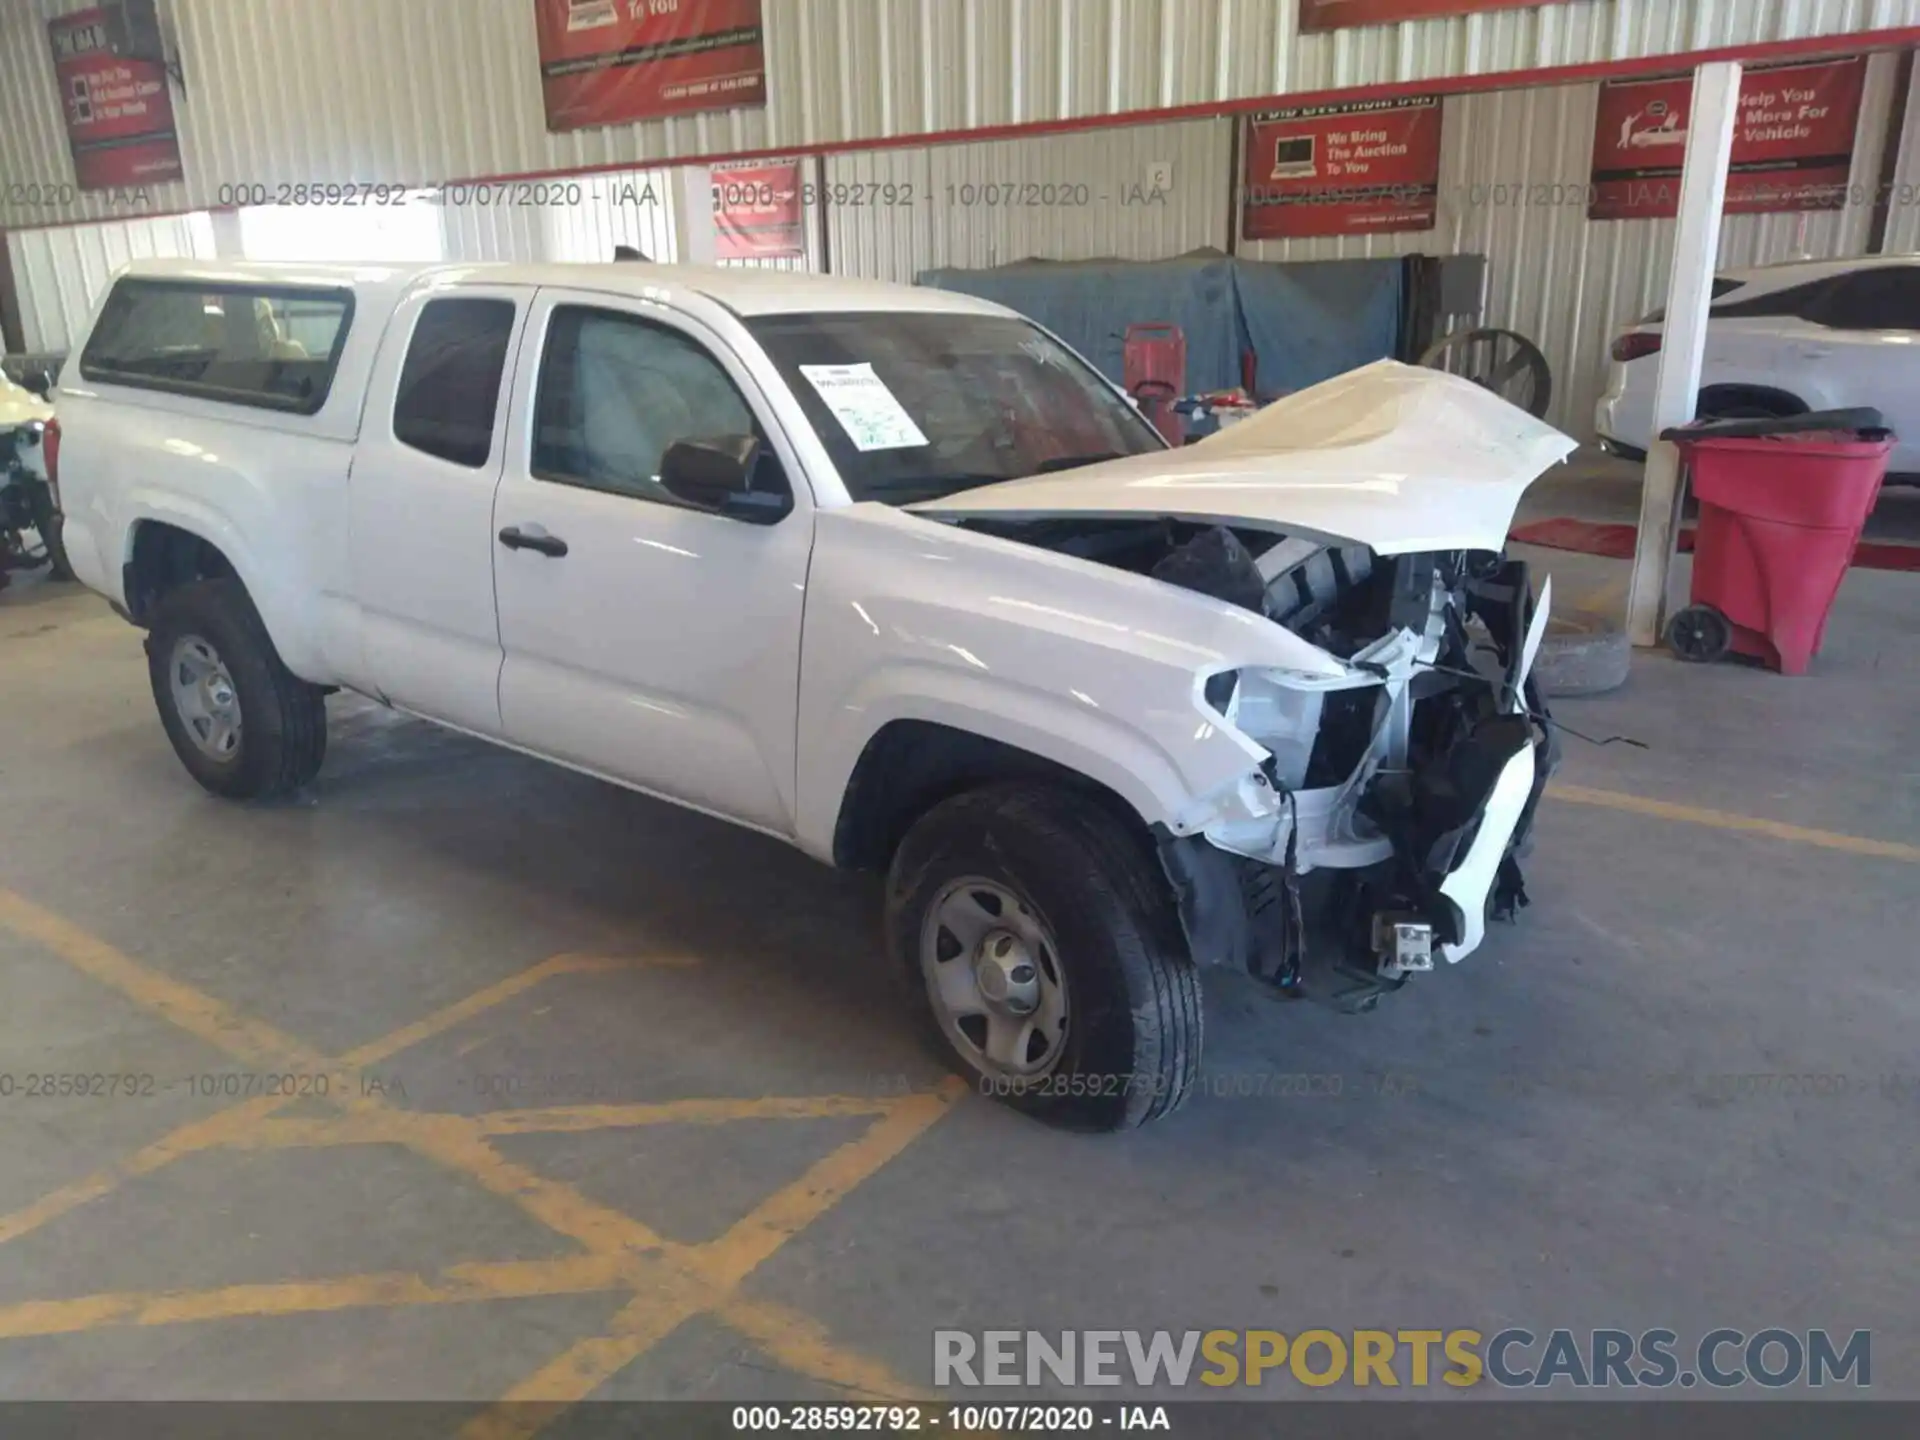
(1582, 654)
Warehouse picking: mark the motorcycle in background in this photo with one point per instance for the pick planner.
(29, 499)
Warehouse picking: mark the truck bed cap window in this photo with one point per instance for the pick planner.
(271, 346)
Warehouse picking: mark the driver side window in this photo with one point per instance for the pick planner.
(616, 391)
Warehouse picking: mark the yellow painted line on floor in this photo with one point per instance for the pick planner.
(478, 1003)
(216, 1022)
(790, 1209)
(457, 1284)
(191, 1010)
(584, 1366)
(447, 1139)
(561, 1119)
(672, 1282)
(189, 1139)
(455, 1143)
(275, 1133)
(1745, 824)
(381, 1126)
(801, 1344)
(717, 1269)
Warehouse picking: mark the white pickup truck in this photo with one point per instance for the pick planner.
(886, 572)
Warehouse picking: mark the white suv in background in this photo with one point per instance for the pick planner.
(1813, 335)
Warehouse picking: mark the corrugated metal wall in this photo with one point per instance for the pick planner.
(60, 272)
(430, 90)
(938, 64)
(1903, 218)
(581, 218)
(1139, 192)
(1513, 176)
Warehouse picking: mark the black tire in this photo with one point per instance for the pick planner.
(1131, 1047)
(1699, 635)
(283, 719)
(47, 521)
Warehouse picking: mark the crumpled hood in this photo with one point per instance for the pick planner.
(1390, 456)
(18, 406)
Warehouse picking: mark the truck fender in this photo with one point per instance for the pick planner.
(272, 598)
(1100, 747)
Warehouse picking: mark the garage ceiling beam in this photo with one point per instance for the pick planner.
(1696, 251)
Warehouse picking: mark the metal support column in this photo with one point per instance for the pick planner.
(694, 236)
(1696, 248)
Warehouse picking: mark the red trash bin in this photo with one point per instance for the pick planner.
(1153, 361)
(1782, 505)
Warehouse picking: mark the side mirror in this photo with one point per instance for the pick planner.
(39, 382)
(718, 474)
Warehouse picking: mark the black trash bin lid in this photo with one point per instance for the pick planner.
(1866, 422)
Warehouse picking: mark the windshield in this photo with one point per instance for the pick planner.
(915, 406)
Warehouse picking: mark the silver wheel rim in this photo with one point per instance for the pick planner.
(204, 698)
(993, 973)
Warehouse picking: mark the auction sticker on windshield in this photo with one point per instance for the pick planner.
(866, 409)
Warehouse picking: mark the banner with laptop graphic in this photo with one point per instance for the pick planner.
(1363, 168)
(1341, 14)
(604, 62)
(757, 211)
(1792, 142)
(119, 112)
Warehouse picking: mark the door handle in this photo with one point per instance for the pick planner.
(514, 538)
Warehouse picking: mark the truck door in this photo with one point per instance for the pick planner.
(647, 639)
(421, 503)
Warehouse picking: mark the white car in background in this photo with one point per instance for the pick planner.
(1783, 340)
(29, 499)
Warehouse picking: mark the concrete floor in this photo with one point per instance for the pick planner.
(744, 1179)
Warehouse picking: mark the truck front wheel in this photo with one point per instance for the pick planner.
(1045, 954)
(242, 723)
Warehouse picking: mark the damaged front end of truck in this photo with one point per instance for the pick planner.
(1402, 760)
(1388, 821)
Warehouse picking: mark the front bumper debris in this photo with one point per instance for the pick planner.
(1345, 891)
(1346, 936)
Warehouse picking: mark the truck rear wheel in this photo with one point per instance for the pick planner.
(1045, 955)
(48, 522)
(243, 724)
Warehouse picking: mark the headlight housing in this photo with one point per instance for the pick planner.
(1281, 719)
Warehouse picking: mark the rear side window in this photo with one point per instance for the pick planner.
(1878, 299)
(450, 385)
(275, 347)
(1721, 286)
(1799, 302)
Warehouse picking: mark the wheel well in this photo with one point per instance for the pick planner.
(166, 557)
(1764, 399)
(910, 766)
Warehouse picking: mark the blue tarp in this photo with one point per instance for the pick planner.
(1310, 321)
(1303, 322)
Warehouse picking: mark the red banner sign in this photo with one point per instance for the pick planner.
(757, 212)
(1353, 169)
(1342, 14)
(1792, 142)
(604, 62)
(119, 112)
